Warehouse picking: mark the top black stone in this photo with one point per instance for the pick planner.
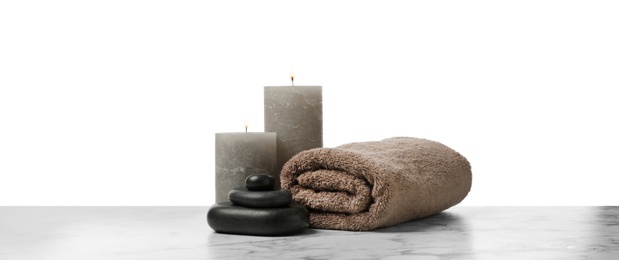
(259, 182)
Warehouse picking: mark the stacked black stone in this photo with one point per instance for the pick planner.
(258, 209)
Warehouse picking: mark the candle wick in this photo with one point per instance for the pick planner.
(292, 79)
(246, 129)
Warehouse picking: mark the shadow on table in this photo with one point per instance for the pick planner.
(443, 221)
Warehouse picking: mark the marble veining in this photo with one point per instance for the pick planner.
(182, 233)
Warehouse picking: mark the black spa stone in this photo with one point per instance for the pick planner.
(259, 182)
(228, 218)
(260, 199)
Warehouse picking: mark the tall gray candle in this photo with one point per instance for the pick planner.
(238, 155)
(295, 114)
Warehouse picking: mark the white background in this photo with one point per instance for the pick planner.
(118, 102)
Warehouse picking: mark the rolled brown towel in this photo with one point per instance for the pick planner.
(368, 185)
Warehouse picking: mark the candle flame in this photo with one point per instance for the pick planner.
(292, 75)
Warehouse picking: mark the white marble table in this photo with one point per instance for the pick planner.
(182, 233)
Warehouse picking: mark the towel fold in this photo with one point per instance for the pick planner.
(368, 185)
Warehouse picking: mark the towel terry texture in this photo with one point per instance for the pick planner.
(368, 185)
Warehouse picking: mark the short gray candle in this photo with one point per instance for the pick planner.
(238, 155)
(295, 114)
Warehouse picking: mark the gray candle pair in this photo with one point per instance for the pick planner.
(292, 123)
